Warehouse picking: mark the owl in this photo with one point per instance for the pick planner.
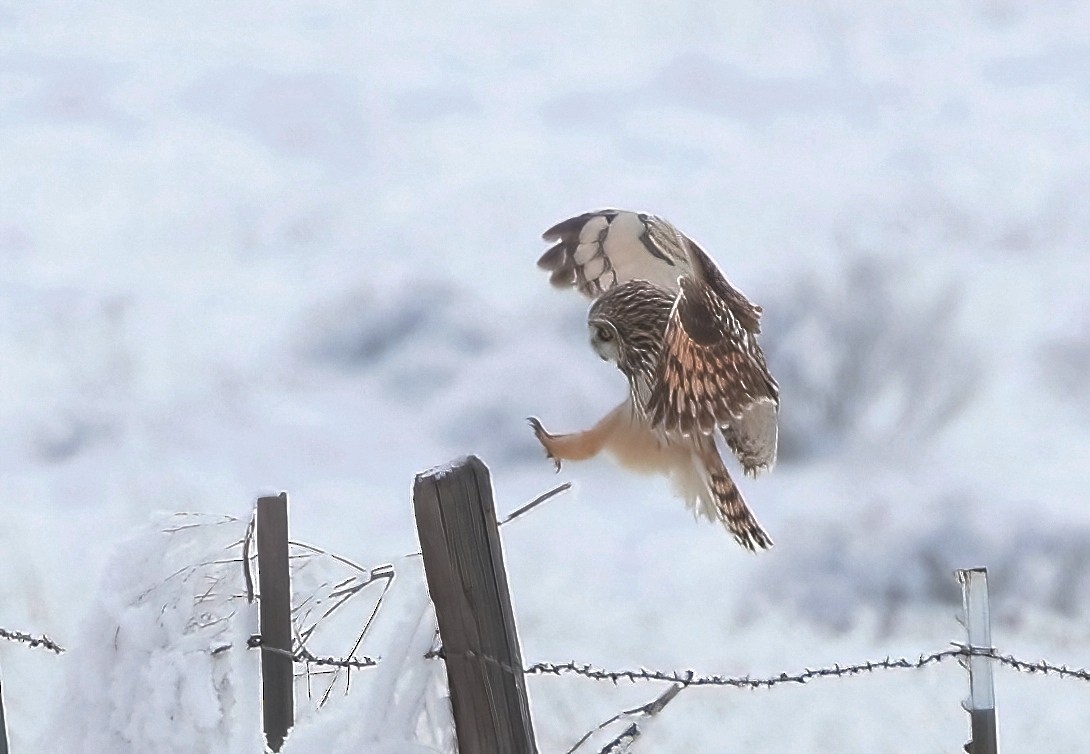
(686, 341)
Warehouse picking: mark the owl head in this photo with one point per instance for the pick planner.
(605, 339)
(626, 325)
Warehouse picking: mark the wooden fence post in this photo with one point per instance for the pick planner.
(463, 560)
(274, 607)
(981, 701)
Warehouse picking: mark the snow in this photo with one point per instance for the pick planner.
(252, 248)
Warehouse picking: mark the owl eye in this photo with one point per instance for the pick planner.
(605, 334)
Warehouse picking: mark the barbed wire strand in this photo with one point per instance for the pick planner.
(1041, 666)
(33, 641)
(688, 678)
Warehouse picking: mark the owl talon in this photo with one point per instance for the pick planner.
(543, 437)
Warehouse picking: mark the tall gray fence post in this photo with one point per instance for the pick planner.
(463, 560)
(981, 701)
(274, 607)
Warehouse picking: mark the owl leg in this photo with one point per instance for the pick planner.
(578, 446)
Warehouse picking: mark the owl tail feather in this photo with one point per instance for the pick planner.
(735, 514)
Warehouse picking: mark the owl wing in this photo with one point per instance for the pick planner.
(712, 374)
(754, 435)
(747, 314)
(598, 250)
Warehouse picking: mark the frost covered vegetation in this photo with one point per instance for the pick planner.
(165, 642)
(248, 248)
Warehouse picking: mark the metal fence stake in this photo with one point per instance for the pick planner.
(981, 701)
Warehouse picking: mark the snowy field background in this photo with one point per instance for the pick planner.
(253, 247)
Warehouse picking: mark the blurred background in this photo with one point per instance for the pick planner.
(249, 247)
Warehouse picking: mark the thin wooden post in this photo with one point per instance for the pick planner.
(277, 670)
(981, 701)
(463, 559)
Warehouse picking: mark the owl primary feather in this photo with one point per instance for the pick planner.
(686, 341)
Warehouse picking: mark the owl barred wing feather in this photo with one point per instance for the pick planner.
(730, 508)
(598, 250)
(751, 432)
(745, 311)
(736, 515)
(712, 374)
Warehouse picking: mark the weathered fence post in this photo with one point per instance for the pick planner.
(274, 607)
(460, 544)
(981, 701)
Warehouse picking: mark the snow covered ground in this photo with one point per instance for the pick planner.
(249, 247)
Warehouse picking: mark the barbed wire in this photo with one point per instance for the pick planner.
(1041, 666)
(33, 641)
(680, 680)
(689, 678)
(686, 678)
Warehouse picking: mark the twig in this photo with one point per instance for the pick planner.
(247, 543)
(631, 733)
(384, 572)
(536, 502)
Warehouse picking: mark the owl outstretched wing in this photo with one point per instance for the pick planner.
(598, 250)
(712, 374)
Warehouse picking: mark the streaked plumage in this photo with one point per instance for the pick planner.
(686, 340)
